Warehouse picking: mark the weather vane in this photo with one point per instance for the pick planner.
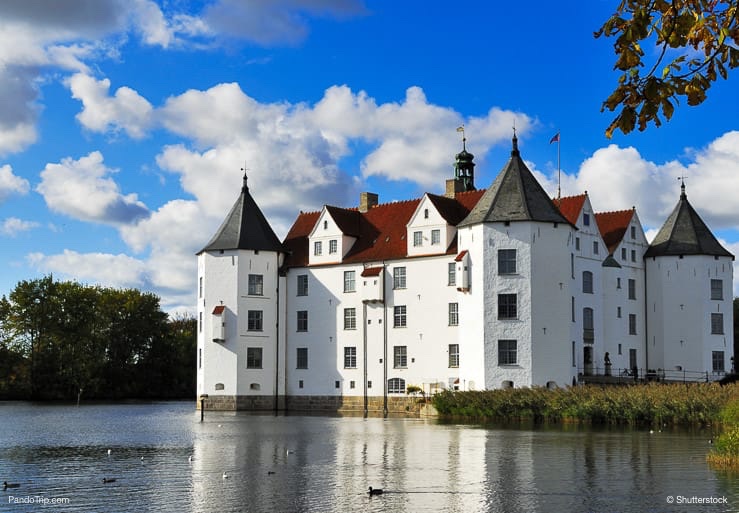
(460, 128)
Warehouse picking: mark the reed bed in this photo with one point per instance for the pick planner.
(725, 453)
(637, 405)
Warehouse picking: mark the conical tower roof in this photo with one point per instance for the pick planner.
(515, 195)
(685, 233)
(245, 227)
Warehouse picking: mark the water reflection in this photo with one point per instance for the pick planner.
(307, 464)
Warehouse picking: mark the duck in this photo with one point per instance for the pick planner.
(7, 485)
(375, 491)
(189, 459)
(109, 452)
(225, 475)
(109, 480)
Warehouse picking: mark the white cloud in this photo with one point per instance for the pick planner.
(105, 269)
(619, 178)
(11, 184)
(82, 189)
(12, 226)
(126, 110)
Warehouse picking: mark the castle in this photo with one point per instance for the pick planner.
(472, 290)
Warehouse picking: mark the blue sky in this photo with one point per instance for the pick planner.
(124, 125)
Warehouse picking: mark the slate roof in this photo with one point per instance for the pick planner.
(685, 233)
(612, 226)
(245, 227)
(515, 195)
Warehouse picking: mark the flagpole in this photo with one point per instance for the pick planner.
(559, 179)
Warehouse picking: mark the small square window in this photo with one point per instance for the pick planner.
(255, 286)
(506, 261)
(717, 324)
(717, 289)
(253, 357)
(399, 316)
(507, 352)
(586, 219)
(302, 358)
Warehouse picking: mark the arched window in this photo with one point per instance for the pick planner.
(587, 282)
(396, 386)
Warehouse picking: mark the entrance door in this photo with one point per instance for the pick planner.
(587, 359)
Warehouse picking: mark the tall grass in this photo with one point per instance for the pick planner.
(725, 451)
(653, 404)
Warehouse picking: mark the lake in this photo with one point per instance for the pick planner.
(164, 459)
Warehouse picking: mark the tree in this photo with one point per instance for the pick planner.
(696, 40)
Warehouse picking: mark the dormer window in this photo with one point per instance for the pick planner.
(417, 239)
(332, 247)
(318, 248)
(435, 237)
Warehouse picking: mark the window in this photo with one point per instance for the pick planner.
(253, 357)
(507, 306)
(453, 355)
(587, 282)
(618, 312)
(418, 239)
(717, 324)
(400, 357)
(349, 281)
(574, 361)
(350, 357)
(302, 358)
(396, 386)
(325, 225)
(572, 265)
(350, 318)
(302, 320)
(506, 261)
(302, 285)
(619, 349)
(352, 384)
(717, 289)
(506, 352)
(452, 273)
(632, 324)
(623, 254)
(586, 219)
(256, 285)
(577, 243)
(633, 255)
(435, 237)
(595, 247)
(200, 358)
(718, 361)
(200, 287)
(588, 326)
(200, 321)
(633, 232)
(399, 316)
(618, 283)
(632, 289)
(318, 248)
(333, 247)
(399, 278)
(453, 314)
(254, 320)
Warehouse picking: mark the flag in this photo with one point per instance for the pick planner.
(555, 138)
(460, 128)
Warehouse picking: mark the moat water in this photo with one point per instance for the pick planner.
(164, 459)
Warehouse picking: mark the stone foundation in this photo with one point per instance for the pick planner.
(400, 405)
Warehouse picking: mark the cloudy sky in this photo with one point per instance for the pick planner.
(124, 124)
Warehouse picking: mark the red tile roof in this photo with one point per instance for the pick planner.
(612, 226)
(371, 271)
(380, 232)
(218, 310)
(571, 206)
(461, 255)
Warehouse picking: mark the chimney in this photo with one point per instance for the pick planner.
(453, 186)
(367, 200)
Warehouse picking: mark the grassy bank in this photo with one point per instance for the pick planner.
(647, 405)
(725, 451)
